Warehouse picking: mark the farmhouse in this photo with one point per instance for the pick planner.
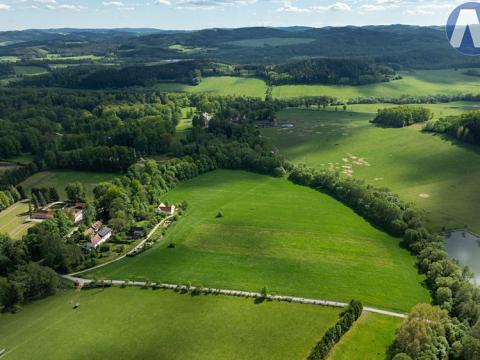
(135, 232)
(93, 229)
(100, 237)
(42, 214)
(164, 209)
(76, 211)
(98, 234)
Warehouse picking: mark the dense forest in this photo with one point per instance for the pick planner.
(329, 71)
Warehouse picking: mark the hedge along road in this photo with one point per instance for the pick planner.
(136, 248)
(227, 292)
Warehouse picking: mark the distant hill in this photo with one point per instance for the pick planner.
(394, 45)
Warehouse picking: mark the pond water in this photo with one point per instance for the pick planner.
(465, 247)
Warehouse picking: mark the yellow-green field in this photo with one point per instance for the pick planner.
(12, 220)
(221, 85)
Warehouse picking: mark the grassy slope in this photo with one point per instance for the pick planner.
(110, 324)
(426, 82)
(406, 160)
(12, 220)
(60, 179)
(369, 338)
(290, 238)
(222, 85)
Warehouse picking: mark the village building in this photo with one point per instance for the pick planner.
(164, 209)
(42, 214)
(100, 237)
(98, 234)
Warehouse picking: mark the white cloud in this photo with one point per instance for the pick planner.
(338, 6)
(4, 7)
(162, 2)
(113, 3)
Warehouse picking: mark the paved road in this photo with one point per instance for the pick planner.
(294, 299)
(123, 256)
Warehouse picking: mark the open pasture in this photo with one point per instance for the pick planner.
(12, 220)
(290, 238)
(221, 85)
(60, 179)
(138, 324)
(439, 175)
(418, 83)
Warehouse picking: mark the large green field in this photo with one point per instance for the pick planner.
(369, 338)
(145, 324)
(12, 220)
(60, 179)
(438, 175)
(418, 83)
(273, 233)
(222, 85)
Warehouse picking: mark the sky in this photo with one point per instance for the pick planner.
(198, 14)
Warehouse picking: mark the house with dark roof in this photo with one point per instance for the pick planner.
(164, 209)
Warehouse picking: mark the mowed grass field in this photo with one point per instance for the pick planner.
(60, 179)
(145, 324)
(12, 220)
(438, 175)
(418, 83)
(290, 238)
(369, 338)
(221, 85)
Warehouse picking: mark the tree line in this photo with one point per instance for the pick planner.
(333, 335)
(465, 127)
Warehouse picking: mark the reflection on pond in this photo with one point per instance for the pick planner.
(465, 247)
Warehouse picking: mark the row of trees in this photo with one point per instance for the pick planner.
(401, 116)
(333, 335)
(9, 197)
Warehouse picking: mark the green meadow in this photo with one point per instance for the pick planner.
(29, 70)
(12, 220)
(290, 238)
(369, 338)
(221, 85)
(138, 324)
(60, 179)
(437, 174)
(418, 83)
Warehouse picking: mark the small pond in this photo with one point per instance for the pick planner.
(465, 247)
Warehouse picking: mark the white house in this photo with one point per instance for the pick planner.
(164, 209)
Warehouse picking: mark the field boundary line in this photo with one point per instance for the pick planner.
(155, 228)
(228, 292)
